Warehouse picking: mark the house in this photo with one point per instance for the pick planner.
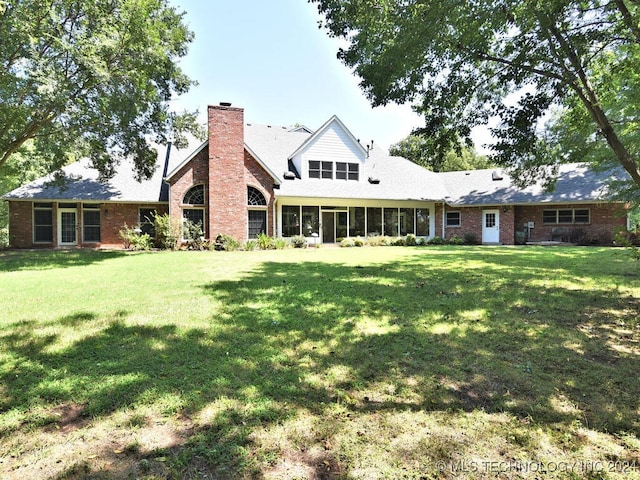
(323, 184)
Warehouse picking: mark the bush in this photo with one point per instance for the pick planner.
(422, 241)
(265, 242)
(398, 241)
(374, 240)
(133, 239)
(358, 242)
(168, 231)
(411, 240)
(298, 241)
(193, 235)
(455, 240)
(280, 243)
(471, 239)
(4, 238)
(225, 243)
(347, 242)
(436, 241)
(251, 245)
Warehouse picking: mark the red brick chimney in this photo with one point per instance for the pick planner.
(227, 187)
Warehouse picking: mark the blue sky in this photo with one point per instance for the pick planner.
(270, 58)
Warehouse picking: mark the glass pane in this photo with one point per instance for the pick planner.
(489, 220)
(341, 170)
(353, 171)
(310, 221)
(43, 233)
(422, 222)
(195, 196)
(314, 169)
(257, 222)
(391, 222)
(374, 221)
(565, 216)
(356, 222)
(550, 216)
(194, 215)
(68, 227)
(341, 227)
(581, 216)
(453, 219)
(290, 221)
(406, 221)
(91, 233)
(327, 169)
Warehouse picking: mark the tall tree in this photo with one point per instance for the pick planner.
(419, 150)
(459, 61)
(91, 77)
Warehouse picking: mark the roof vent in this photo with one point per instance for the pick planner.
(374, 180)
(289, 175)
(225, 104)
(496, 175)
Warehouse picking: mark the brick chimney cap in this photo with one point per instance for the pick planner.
(225, 104)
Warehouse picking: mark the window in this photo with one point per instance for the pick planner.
(91, 223)
(327, 170)
(194, 196)
(310, 221)
(42, 223)
(453, 219)
(314, 169)
(422, 222)
(347, 171)
(566, 216)
(255, 197)
(354, 171)
(356, 222)
(194, 215)
(257, 222)
(146, 220)
(391, 222)
(407, 221)
(341, 171)
(290, 221)
(374, 221)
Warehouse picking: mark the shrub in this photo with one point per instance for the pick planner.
(4, 237)
(455, 240)
(265, 242)
(422, 241)
(436, 241)
(251, 245)
(471, 239)
(168, 231)
(411, 240)
(225, 243)
(358, 242)
(193, 235)
(347, 242)
(298, 241)
(386, 241)
(397, 241)
(133, 239)
(374, 240)
(280, 243)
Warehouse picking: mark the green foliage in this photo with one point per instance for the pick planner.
(436, 241)
(251, 245)
(280, 243)
(193, 235)
(411, 240)
(226, 243)
(470, 239)
(265, 242)
(517, 61)
(92, 78)
(347, 242)
(298, 241)
(133, 239)
(455, 240)
(358, 242)
(419, 149)
(168, 231)
(4, 237)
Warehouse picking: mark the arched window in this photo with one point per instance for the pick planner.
(194, 196)
(257, 211)
(255, 198)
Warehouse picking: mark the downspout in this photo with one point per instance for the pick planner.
(444, 218)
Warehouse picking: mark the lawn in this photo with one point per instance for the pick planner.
(358, 363)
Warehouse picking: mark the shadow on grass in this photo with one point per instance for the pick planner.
(15, 260)
(409, 336)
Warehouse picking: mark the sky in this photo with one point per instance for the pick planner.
(270, 58)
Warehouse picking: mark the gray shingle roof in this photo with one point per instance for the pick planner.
(576, 183)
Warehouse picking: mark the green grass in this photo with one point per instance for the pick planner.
(388, 362)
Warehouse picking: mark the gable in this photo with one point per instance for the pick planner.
(332, 142)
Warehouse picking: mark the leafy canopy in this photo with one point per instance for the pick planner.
(572, 64)
(418, 149)
(93, 78)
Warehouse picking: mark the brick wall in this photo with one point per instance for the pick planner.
(195, 172)
(606, 220)
(257, 177)
(227, 209)
(21, 225)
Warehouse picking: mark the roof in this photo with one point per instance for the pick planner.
(576, 183)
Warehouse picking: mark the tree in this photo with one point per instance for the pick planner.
(92, 78)
(418, 149)
(461, 60)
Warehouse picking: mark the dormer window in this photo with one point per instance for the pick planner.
(343, 170)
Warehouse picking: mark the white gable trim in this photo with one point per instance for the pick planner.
(318, 133)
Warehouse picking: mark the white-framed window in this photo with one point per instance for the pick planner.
(453, 219)
(257, 212)
(566, 216)
(321, 169)
(42, 222)
(91, 223)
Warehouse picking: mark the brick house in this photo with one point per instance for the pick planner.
(245, 179)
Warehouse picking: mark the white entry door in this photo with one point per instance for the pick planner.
(491, 226)
(67, 223)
